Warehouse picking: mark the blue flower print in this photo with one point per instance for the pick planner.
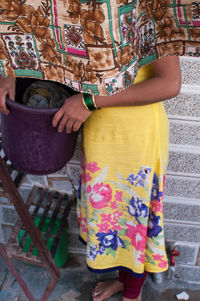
(153, 225)
(79, 189)
(101, 250)
(110, 240)
(142, 175)
(155, 193)
(92, 252)
(144, 171)
(139, 179)
(131, 179)
(137, 208)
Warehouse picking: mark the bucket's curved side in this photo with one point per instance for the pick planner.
(33, 145)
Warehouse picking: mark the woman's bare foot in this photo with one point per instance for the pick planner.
(106, 289)
(137, 299)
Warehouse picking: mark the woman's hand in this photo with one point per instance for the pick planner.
(71, 115)
(7, 87)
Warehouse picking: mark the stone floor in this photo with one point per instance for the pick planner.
(76, 284)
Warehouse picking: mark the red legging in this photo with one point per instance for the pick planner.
(132, 285)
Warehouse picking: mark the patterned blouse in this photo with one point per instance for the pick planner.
(94, 46)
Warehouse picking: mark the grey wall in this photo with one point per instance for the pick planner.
(182, 193)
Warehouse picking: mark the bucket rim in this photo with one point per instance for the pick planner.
(11, 104)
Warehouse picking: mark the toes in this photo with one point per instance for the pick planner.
(97, 298)
(97, 289)
(95, 293)
(99, 284)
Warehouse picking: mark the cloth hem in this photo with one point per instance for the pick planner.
(108, 270)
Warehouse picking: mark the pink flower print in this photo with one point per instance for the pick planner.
(117, 214)
(113, 222)
(156, 206)
(163, 264)
(116, 227)
(82, 222)
(78, 220)
(103, 227)
(137, 234)
(100, 195)
(163, 184)
(158, 257)
(105, 217)
(85, 177)
(118, 196)
(142, 257)
(113, 205)
(83, 225)
(89, 188)
(92, 167)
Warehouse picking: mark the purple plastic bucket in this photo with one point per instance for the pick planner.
(30, 141)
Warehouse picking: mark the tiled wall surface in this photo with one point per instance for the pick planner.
(182, 193)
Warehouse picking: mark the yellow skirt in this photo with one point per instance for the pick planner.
(120, 198)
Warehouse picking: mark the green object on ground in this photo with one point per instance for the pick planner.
(61, 252)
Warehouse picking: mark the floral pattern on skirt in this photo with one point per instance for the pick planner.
(119, 218)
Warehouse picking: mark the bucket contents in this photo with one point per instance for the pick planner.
(46, 95)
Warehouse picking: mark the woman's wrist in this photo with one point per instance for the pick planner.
(89, 101)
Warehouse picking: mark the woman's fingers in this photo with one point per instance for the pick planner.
(3, 107)
(69, 126)
(71, 115)
(63, 123)
(7, 87)
(76, 126)
(57, 117)
(11, 93)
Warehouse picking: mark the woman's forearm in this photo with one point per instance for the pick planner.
(148, 92)
(166, 84)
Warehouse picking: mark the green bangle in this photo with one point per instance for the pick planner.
(88, 102)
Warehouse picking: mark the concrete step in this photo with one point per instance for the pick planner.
(182, 185)
(187, 161)
(181, 232)
(184, 132)
(190, 70)
(185, 106)
(182, 209)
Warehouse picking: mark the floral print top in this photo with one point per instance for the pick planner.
(94, 46)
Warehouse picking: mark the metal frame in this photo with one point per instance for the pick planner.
(13, 250)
